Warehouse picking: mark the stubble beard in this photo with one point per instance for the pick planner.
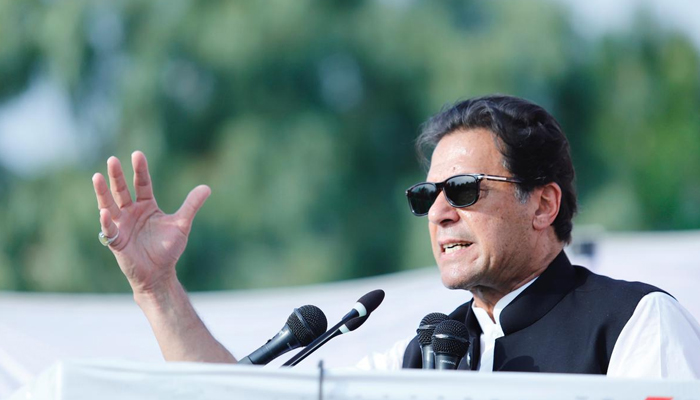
(461, 277)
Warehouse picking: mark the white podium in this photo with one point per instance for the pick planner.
(106, 380)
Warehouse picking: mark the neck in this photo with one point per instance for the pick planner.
(486, 297)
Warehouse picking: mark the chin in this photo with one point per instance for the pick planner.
(450, 281)
(452, 286)
(460, 277)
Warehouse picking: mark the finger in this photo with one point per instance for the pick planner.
(117, 183)
(109, 228)
(142, 179)
(192, 204)
(104, 197)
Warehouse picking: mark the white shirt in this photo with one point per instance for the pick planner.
(493, 330)
(660, 340)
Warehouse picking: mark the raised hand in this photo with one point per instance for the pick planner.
(148, 242)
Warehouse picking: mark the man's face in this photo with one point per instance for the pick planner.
(486, 243)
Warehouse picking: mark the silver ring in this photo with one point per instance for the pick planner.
(106, 241)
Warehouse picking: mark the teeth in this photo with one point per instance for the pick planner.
(452, 247)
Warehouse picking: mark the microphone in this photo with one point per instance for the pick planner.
(425, 337)
(364, 306)
(450, 344)
(351, 325)
(353, 319)
(304, 325)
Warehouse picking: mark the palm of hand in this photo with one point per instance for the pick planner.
(153, 244)
(149, 242)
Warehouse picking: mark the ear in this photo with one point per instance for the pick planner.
(548, 200)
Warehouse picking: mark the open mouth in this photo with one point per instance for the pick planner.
(452, 247)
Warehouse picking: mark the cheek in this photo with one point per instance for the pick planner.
(491, 231)
(508, 232)
(433, 233)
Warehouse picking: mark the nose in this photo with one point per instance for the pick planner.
(441, 212)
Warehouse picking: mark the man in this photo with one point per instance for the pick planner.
(499, 201)
(499, 232)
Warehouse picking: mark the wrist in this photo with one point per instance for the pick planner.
(162, 296)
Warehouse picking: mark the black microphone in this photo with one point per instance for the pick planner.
(351, 325)
(450, 344)
(425, 337)
(362, 309)
(364, 306)
(345, 328)
(304, 325)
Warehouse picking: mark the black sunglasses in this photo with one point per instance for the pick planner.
(460, 191)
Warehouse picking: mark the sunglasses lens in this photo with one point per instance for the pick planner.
(421, 197)
(462, 191)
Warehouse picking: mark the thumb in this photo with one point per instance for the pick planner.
(194, 201)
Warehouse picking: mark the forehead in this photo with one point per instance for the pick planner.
(470, 151)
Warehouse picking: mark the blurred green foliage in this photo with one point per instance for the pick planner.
(301, 116)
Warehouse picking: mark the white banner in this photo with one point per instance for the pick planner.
(107, 380)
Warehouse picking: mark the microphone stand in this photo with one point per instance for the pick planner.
(320, 341)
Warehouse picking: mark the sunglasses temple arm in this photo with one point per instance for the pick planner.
(499, 178)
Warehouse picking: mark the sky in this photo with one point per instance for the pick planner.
(39, 132)
(595, 17)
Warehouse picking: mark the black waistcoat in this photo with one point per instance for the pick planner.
(568, 320)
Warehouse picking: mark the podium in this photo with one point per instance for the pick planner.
(107, 380)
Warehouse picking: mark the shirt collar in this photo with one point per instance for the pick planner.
(485, 322)
(540, 297)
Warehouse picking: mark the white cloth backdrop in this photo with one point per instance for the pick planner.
(36, 330)
(110, 380)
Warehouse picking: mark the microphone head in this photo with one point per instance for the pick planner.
(307, 323)
(427, 327)
(372, 300)
(451, 338)
(356, 323)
